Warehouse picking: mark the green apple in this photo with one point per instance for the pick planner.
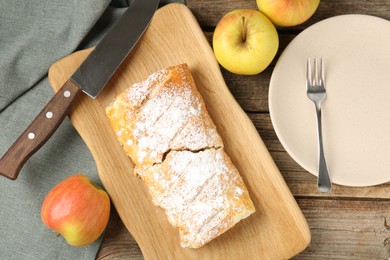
(77, 209)
(245, 42)
(288, 12)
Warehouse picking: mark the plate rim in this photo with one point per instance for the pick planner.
(279, 135)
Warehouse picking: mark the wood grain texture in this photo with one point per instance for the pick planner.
(341, 229)
(117, 242)
(208, 13)
(344, 229)
(175, 37)
(346, 224)
(251, 92)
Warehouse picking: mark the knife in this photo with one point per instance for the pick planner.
(90, 77)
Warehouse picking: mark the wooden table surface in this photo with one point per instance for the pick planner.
(349, 223)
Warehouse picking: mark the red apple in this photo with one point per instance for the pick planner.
(77, 209)
(288, 12)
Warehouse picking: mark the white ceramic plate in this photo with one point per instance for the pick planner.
(356, 112)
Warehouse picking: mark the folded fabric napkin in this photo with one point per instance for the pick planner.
(33, 35)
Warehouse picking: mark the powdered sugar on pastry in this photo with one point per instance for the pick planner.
(164, 112)
(164, 127)
(202, 194)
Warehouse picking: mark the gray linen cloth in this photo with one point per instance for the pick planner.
(33, 35)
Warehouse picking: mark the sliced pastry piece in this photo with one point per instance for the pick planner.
(202, 193)
(163, 113)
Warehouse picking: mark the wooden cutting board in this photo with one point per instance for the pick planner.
(277, 230)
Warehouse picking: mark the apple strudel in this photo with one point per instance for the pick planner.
(164, 127)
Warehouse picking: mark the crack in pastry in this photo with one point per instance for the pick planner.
(163, 125)
(174, 102)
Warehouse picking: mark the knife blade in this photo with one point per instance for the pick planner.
(90, 78)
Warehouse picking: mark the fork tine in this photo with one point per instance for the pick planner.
(322, 73)
(308, 74)
(315, 81)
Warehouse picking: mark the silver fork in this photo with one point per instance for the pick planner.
(315, 87)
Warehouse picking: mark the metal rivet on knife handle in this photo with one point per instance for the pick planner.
(49, 115)
(38, 132)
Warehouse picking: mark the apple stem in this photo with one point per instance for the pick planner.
(243, 29)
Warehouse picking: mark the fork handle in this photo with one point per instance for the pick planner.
(324, 184)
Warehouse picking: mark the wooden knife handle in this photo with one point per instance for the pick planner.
(39, 131)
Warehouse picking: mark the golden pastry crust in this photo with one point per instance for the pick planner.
(163, 113)
(164, 127)
(202, 193)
